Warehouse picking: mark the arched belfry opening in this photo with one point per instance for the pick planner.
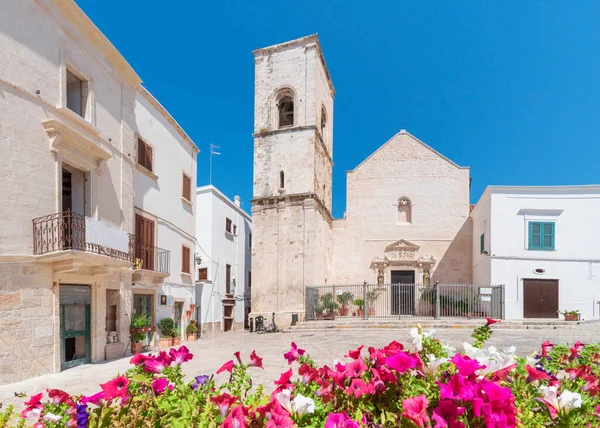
(281, 180)
(285, 101)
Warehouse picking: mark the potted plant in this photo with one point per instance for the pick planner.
(166, 327)
(371, 298)
(328, 306)
(570, 315)
(192, 331)
(176, 336)
(344, 299)
(138, 330)
(360, 304)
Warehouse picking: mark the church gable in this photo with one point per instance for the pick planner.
(402, 246)
(406, 148)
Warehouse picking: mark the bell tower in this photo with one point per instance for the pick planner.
(293, 148)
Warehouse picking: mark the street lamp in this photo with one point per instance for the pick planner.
(198, 259)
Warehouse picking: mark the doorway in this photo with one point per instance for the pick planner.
(75, 301)
(540, 298)
(142, 304)
(403, 292)
(178, 317)
(144, 241)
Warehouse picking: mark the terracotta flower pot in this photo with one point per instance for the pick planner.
(191, 337)
(361, 312)
(176, 341)
(136, 347)
(571, 317)
(343, 312)
(165, 342)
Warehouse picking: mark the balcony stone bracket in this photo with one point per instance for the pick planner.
(76, 148)
(149, 276)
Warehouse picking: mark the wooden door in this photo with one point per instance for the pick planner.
(540, 298)
(144, 241)
(403, 297)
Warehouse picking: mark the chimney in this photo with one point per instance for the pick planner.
(237, 200)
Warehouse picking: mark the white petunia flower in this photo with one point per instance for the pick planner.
(417, 339)
(52, 417)
(569, 400)
(433, 364)
(562, 375)
(303, 404)
(284, 398)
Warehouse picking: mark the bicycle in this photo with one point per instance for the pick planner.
(267, 327)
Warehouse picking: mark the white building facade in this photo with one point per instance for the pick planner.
(542, 244)
(224, 276)
(164, 179)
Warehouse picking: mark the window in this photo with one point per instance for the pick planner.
(249, 279)
(202, 274)
(144, 157)
(228, 225)
(404, 214)
(185, 259)
(187, 187)
(144, 242)
(482, 243)
(541, 235)
(286, 111)
(77, 94)
(249, 240)
(234, 230)
(228, 279)
(281, 180)
(323, 120)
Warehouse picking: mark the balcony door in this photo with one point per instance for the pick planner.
(144, 241)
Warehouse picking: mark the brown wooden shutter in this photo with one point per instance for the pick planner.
(185, 259)
(144, 157)
(187, 187)
(202, 274)
(228, 279)
(148, 157)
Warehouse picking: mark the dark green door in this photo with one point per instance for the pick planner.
(75, 302)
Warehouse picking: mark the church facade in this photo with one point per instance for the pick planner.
(407, 217)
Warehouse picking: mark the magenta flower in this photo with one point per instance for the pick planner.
(458, 388)
(293, 354)
(181, 355)
(95, 399)
(490, 321)
(446, 415)
(355, 368)
(32, 405)
(139, 359)
(359, 387)
(255, 361)
(340, 420)
(465, 365)
(284, 380)
(546, 347)
(223, 402)
(535, 374)
(355, 354)
(401, 362)
(228, 366)
(236, 418)
(308, 373)
(115, 388)
(58, 396)
(415, 409)
(238, 356)
(157, 364)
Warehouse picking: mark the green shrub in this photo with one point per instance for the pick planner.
(166, 327)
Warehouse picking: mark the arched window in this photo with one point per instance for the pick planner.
(281, 180)
(323, 120)
(404, 214)
(286, 111)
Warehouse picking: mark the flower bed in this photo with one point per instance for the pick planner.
(423, 384)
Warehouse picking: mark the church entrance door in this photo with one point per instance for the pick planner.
(403, 292)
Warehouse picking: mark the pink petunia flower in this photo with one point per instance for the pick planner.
(157, 364)
(284, 380)
(181, 355)
(546, 347)
(355, 354)
(446, 415)
(115, 388)
(415, 409)
(159, 385)
(308, 373)
(228, 366)
(236, 418)
(340, 420)
(465, 365)
(139, 359)
(355, 368)
(401, 362)
(293, 354)
(255, 361)
(95, 399)
(392, 348)
(534, 374)
(58, 396)
(457, 388)
(223, 402)
(33, 405)
(238, 356)
(359, 387)
(490, 321)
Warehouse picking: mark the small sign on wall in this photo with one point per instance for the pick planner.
(163, 299)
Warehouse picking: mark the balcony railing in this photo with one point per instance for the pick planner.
(152, 258)
(72, 231)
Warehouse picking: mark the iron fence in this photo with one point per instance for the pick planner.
(67, 231)
(435, 301)
(153, 258)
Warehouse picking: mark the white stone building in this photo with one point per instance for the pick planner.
(407, 217)
(67, 150)
(164, 180)
(224, 277)
(542, 244)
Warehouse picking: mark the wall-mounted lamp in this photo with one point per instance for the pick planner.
(485, 253)
(198, 259)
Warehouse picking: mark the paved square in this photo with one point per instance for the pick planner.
(323, 346)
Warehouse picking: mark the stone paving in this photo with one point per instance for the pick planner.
(323, 346)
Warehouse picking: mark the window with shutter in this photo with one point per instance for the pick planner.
(227, 225)
(144, 154)
(228, 279)
(202, 274)
(187, 187)
(185, 259)
(482, 243)
(541, 236)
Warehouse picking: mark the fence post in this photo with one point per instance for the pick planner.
(365, 308)
(437, 300)
(469, 300)
(502, 303)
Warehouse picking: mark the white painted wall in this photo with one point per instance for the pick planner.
(575, 262)
(158, 196)
(218, 249)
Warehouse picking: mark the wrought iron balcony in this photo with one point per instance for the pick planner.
(152, 258)
(72, 231)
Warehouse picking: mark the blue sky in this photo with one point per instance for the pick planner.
(509, 88)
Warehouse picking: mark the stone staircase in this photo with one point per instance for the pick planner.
(455, 323)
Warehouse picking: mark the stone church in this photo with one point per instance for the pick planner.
(407, 206)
